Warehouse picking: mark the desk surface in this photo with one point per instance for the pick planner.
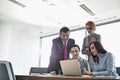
(44, 77)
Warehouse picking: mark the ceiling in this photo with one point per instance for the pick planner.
(48, 16)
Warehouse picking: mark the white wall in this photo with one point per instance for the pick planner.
(19, 45)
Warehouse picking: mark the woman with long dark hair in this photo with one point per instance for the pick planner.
(104, 64)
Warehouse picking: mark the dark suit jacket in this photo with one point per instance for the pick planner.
(57, 54)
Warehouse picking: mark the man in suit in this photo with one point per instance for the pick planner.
(58, 50)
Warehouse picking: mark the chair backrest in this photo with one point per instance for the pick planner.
(39, 70)
(6, 71)
(118, 70)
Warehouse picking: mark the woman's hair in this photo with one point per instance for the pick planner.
(91, 24)
(75, 45)
(99, 47)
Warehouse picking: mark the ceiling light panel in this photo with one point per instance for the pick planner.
(18, 3)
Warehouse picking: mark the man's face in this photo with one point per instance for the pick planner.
(64, 35)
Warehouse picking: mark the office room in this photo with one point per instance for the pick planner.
(27, 28)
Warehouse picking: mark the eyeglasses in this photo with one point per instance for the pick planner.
(89, 28)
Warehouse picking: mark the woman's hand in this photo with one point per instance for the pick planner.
(52, 73)
(87, 49)
(87, 73)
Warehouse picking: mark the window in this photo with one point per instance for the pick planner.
(110, 39)
(46, 50)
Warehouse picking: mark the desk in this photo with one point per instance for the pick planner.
(38, 77)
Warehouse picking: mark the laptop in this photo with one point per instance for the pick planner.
(70, 67)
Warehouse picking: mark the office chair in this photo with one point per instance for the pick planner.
(6, 71)
(118, 70)
(38, 70)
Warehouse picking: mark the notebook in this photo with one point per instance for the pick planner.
(70, 67)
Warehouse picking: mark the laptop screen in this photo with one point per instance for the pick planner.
(70, 67)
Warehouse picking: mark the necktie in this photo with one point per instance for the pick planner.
(65, 51)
